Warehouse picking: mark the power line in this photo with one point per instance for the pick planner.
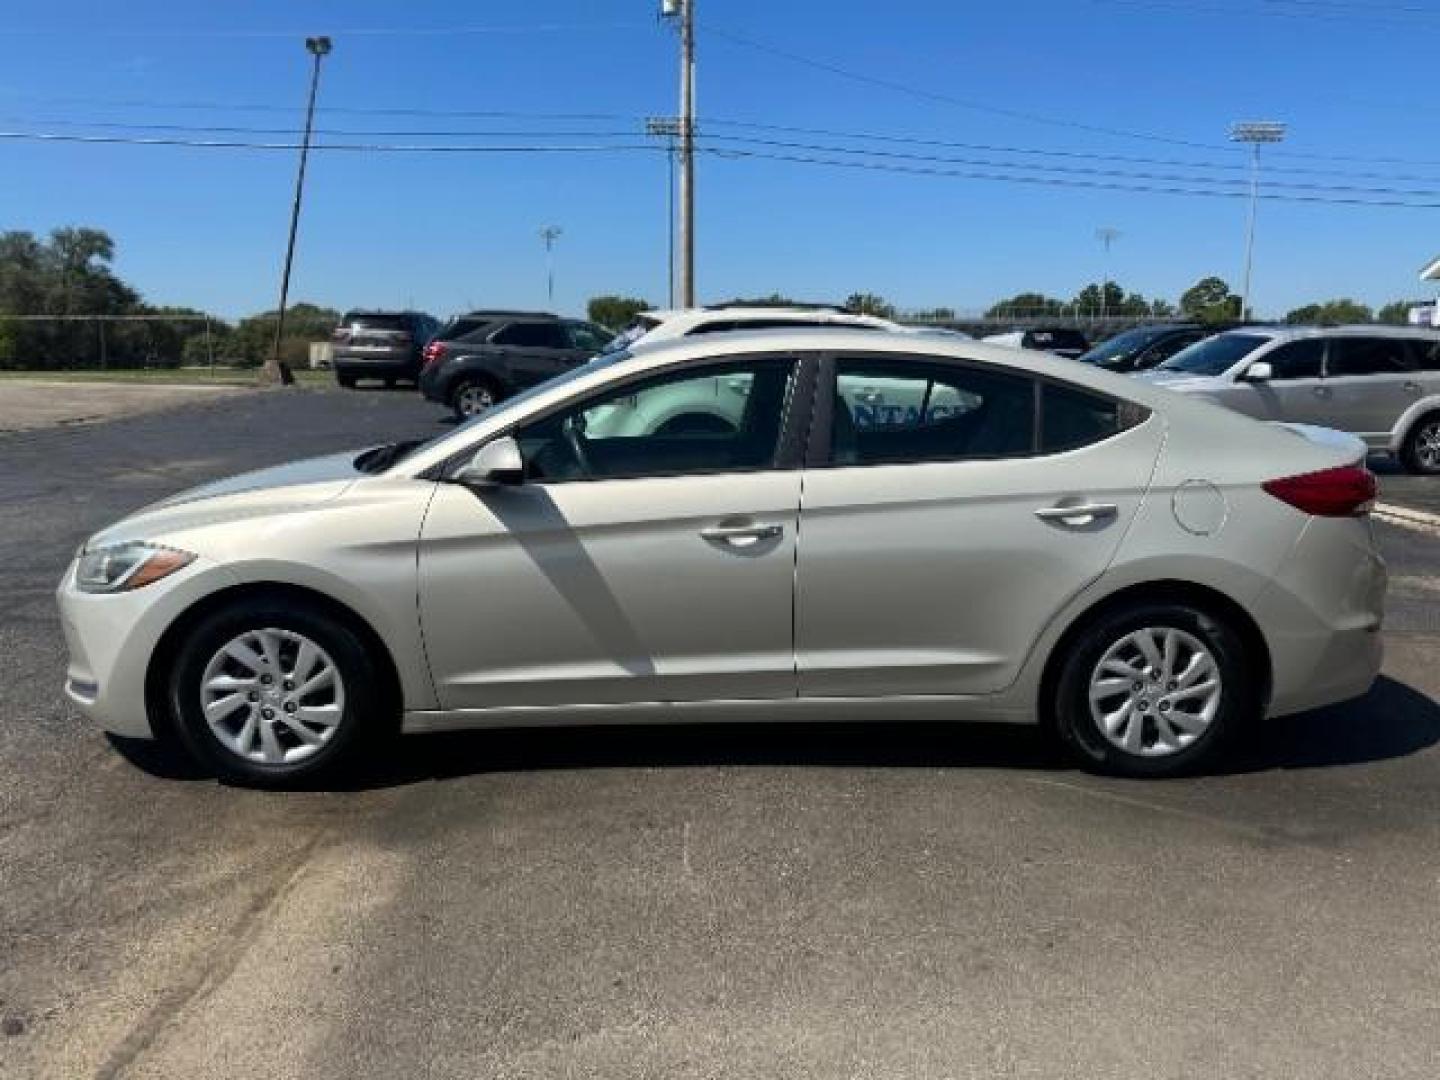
(932, 95)
(291, 35)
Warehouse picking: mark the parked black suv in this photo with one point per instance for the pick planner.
(1145, 347)
(486, 356)
(380, 345)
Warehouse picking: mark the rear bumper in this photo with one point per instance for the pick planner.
(376, 367)
(1321, 616)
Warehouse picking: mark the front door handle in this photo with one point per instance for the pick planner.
(1078, 515)
(742, 535)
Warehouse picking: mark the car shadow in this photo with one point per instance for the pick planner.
(1392, 721)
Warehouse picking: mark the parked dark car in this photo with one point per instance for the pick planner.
(381, 345)
(1060, 340)
(486, 356)
(1145, 347)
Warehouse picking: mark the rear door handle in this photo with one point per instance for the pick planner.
(742, 535)
(1320, 391)
(1411, 386)
(1078, 515)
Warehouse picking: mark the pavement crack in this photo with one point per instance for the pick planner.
(1261, 836)
(216, 966)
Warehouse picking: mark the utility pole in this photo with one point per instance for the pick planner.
(1107, 235)
(549, 234)
(1253, 132)
(276, 369)
(685, 10)
(667, 127)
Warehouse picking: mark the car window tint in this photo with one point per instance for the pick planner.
(1297, 360)
(717, 418)
(537, 335)
(903, 411)
(1366, 356)
(1071, 418)
(1425, 355)
(1165, 348)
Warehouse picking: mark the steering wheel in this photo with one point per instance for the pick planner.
(574, 430)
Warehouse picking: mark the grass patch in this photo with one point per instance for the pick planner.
(200, 376)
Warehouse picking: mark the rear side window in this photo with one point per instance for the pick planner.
(587, 337)
(1072, 418)
(1367, 356)
(910, 411)
(463, 330)
(533, 336)
(1298, 360)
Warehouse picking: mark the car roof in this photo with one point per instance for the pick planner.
(1295, 333)
(503, 313)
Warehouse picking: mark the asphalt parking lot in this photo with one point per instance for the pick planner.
(870, 901)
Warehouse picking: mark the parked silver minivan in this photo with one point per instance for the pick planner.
(1381, 383)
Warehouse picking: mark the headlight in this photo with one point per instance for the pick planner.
(127, 566)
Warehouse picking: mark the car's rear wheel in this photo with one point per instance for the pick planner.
(269, 694)
(473, 396)
(1154, 689)
(1421, 452)
(346, 382)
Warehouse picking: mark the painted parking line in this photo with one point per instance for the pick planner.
(1407, 517)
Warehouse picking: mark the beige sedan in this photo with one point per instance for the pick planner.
(812, 524)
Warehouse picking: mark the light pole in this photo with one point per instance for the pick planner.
(549, 234)
(685, 11)
(668, 127)
(276, 369)
(1253, 132)
(1107, 235)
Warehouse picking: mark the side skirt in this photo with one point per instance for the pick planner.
(784, 710)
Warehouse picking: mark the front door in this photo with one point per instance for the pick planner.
(1296, 390)
(649, 556)
(941, 531)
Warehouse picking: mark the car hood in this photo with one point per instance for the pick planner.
(1179, 380)
(261, 493)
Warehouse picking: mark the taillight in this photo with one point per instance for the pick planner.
(432, 352)
(1347, 491)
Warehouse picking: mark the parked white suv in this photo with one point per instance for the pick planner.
(1381, 383)
(651, 327)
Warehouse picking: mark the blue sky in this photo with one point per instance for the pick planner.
(206, 227)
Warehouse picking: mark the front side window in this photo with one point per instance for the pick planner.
(718, 418)
(589, 338)
(890, 411)
(1367, 356)
(1298, 360)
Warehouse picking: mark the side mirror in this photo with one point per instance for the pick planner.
(497, 462)
(1259, 371)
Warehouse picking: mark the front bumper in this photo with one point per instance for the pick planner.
(112, 636)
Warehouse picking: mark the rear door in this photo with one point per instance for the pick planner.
(939, 537)
(1369, 382)
(533, 351)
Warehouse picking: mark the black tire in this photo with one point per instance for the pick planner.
(1417, 454)
(389, 384)
(1238, 709)
(346, 382)
(480, 383)
(364, 719)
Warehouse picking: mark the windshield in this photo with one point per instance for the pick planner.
(1215, 355)
(386, 457)
(1121, 347)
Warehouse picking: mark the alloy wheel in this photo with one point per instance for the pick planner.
(272, 696)
(1155, 691)
(1427, 446)
(474, 399)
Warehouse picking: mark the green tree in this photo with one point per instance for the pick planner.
(1210, 300)
(870, 304)
(1162, 309)
(254, 337)
(616, 312)
(1331, 311)
(1397, 312)
(1025, 305)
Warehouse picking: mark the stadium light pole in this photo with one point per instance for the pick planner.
(549, 234)
(1254, 132)
(276, 369)
(1107, 235)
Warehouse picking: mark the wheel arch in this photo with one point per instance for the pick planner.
(1418, 411)
(1164, 590)
(162, 656)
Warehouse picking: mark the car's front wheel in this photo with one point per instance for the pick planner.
(1154, 689)
(269, 693)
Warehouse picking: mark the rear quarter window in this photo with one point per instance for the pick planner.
(1071, 418)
